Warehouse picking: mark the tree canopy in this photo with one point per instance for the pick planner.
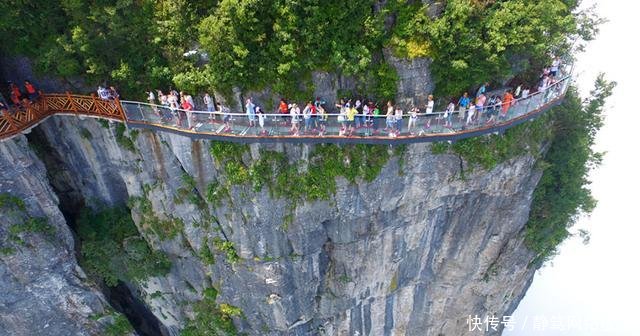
(253, 44)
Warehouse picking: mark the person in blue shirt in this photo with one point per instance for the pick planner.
(251, 112)
(463, 102)
(482, 89)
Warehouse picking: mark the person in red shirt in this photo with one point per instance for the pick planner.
(187, 107)
(16, 95)
(32, 93)
(283, 108)
(506, 103)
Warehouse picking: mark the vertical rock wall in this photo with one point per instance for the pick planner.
(414, 252)
(44, 291)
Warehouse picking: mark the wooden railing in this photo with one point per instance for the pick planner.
(19, 120)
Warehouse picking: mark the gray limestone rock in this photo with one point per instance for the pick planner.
(414, 252)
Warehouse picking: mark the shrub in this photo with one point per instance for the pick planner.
(112, 249)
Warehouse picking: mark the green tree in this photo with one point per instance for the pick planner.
(562, 194)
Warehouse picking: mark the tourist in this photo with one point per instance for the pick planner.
(322, 119)
(314, 112)
(413, 119)
(506, 103)
(151, 97)
(366, 114)
(525, 92)
(391, 119)
(187, 109)
(295, 115)
(251, 112)
(261, 118)
(351, 115)
(518, 91)
(208, 102)
(399, 115)
(471, 113)
(226, 117)
(359, 115)
(495, 105)
(342, 116)
(480, 103)
(32, 93)
(174, 105)
(482, 89)
(319, 103)
(430, 103)
(376, 118)
(283, 109)
(429, 111)
(103, 93)
(306, 115)
(555, 66)
(448, 114)
(463, 102)
(113, 93)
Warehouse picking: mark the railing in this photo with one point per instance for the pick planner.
(274, 127)
(29, 115)
(241, 127)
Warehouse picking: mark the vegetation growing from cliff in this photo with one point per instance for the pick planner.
(167, 227)
(112, 249)
(562, 194)
(13, 206)
(490, 150)
(211, 318)
(9, 201)
(125, 141)
(298, 181)
(254, 44)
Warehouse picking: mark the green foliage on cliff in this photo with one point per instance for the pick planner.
(164, 228)
(8, 201)
(119, 327)
(562, 194)
(123, 140)
(112, 249)
(318, 180)
(489, 150)
(211, 318)
(278, 43)
(38, 225)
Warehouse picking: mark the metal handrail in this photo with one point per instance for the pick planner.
(237, 126)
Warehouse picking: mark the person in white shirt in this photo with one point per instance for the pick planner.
(413, 119)
(399, 115)
(295, 115)
(448, 114)
(471, 112)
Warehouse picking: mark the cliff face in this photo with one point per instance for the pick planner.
(43, 288)
(414, 252)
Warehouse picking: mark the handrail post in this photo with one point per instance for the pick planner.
(9, 119)
(95, 104)
(73, 106)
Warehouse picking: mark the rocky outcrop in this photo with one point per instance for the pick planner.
(44, 292)
(414, 252)
(415, 83)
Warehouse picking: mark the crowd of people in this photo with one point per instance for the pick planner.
(19, 96)
(485, 107)
(311, 118)
(107, 93)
